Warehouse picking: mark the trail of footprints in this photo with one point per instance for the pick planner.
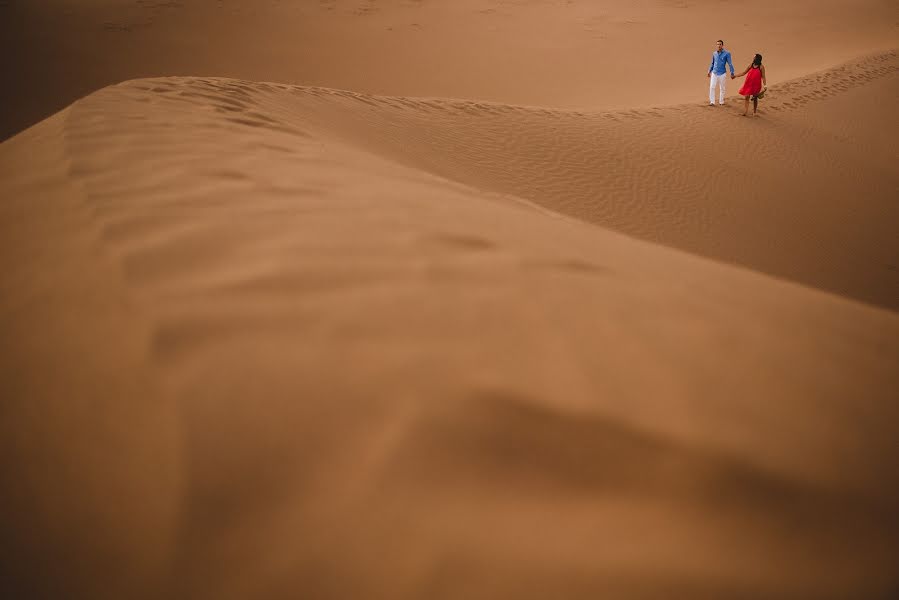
(785, 96)
(238, 99)
(241, 102)
(796, 93)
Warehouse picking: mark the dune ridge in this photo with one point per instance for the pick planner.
(645, 173)
(357, 353)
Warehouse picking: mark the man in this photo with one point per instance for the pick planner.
(718, 72)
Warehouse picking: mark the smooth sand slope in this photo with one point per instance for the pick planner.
(264, 340)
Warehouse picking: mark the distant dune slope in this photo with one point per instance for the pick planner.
(261, 340)
(563, 53)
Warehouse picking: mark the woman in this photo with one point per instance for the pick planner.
(754, 86)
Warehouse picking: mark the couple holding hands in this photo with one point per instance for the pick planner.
(754, 87)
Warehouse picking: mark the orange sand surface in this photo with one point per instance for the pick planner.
(415, 299)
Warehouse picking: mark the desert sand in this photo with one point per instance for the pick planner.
(477, 299)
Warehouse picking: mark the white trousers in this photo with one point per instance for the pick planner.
(720, 80)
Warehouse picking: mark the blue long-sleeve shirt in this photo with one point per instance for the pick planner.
(720, 61)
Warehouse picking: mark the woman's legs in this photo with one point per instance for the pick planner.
(755, 105)
(745, 105)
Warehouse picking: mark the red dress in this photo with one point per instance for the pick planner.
(753, 83)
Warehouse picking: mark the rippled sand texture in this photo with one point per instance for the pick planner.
(266, 340)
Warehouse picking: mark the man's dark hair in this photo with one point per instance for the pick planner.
(722, 42)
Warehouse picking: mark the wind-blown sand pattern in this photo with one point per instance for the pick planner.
(290, 341)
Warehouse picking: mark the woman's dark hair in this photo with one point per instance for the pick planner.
(757, 60)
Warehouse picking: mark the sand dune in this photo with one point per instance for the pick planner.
(277, 340)
(351, 377)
